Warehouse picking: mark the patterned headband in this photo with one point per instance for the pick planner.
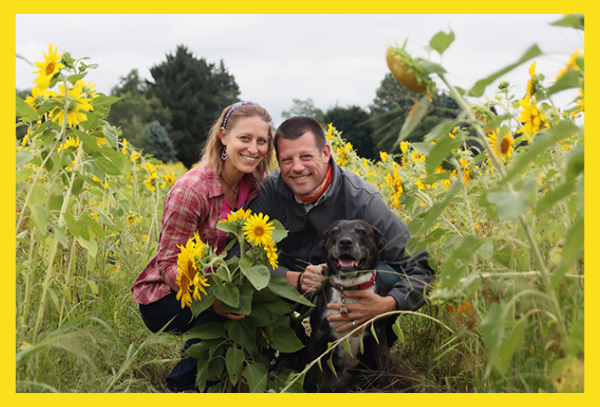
(232, 108)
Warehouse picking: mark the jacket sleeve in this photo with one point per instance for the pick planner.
(414, 272)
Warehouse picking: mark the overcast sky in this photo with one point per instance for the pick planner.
(333, 59)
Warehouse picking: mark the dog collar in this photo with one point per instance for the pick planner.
(362, 286)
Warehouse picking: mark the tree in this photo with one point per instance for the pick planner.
(136, 109)
(393, 103)
(159, 144)
(304, 108)
(195, 92)
(353, 122)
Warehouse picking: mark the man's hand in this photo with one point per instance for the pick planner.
(369, 306)
(312, 278)
(218, 309)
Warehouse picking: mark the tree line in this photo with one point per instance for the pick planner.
(170, 115)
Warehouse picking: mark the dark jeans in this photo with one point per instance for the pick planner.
(158, 314)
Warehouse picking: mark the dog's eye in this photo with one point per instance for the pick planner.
(335, 231)
(359, 231)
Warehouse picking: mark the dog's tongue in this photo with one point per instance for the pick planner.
(347, 263)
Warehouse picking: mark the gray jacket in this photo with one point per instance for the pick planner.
(348, 197)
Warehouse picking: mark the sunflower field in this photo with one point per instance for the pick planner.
(496, 196)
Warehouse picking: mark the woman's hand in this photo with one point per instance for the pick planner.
(217, 308)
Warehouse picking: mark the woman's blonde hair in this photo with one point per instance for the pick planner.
(214, 148)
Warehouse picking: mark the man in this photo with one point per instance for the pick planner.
(309, 192)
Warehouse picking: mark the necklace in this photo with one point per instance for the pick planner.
(234, 190)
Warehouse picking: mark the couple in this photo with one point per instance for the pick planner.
(306, 194)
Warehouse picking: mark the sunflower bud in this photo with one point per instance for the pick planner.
(407, 70)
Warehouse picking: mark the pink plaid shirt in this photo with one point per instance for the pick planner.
(193, 204)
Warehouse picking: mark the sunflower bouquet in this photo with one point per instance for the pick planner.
(235, 355)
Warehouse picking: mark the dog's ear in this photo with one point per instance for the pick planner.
(380, 240)
(323, 241)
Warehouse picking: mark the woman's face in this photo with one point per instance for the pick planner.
(247, 144)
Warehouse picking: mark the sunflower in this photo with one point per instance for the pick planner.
(87, 88)
(404, 146)
(76, 106)
(271, 254)
(48, 69)
(534, 119)
(37, 98)
(503, 148)
(383, 155)
(571, 64)
(189, 276)
(257, 230)
(235, 215)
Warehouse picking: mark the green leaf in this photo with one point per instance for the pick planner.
(441, 129)
(552, 197)
(571, 250)
(258, 275)
(93, 120)
(72, 224)
(40, 218)
(432, 215)
(88, 143)
(440, 151)
(245, 306)
(397, 330)
(211, 330)
(37, 195)
(512, 342)
(413, 120)
(331, 367)
(279, 233)
(285, 340)
(242, 332)
(574, 163)
(233, 361)
(206, 301)
(93, 225)
(25, 111)
(492, 329)
(451, 274)
(102, 104)
(90, 245)
(111, 135)
(423, 148)
(374, 333)
(571, 79)
(480, 86)
(109, 161)
(441, 41)
(256, 375)
(571, 20)
(348, 348)
(228, 293)
(60, 236)
(508, 204)
(282, 287)
(23, 157)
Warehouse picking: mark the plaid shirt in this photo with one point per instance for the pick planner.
(193, 204)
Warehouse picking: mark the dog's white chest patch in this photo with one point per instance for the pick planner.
(346, 360)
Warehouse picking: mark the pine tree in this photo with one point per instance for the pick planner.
(195, 92)
(159, 143)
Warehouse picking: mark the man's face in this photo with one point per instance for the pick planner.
(303, 166)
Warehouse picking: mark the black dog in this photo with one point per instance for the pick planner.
(352, 248)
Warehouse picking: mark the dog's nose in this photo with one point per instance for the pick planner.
(345, 242)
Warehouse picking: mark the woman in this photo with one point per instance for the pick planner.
(238, 154)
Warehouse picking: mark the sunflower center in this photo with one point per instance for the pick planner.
(505, 145)
(50, 67)
(259, 231)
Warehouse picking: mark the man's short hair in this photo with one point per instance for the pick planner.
(295, 127)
